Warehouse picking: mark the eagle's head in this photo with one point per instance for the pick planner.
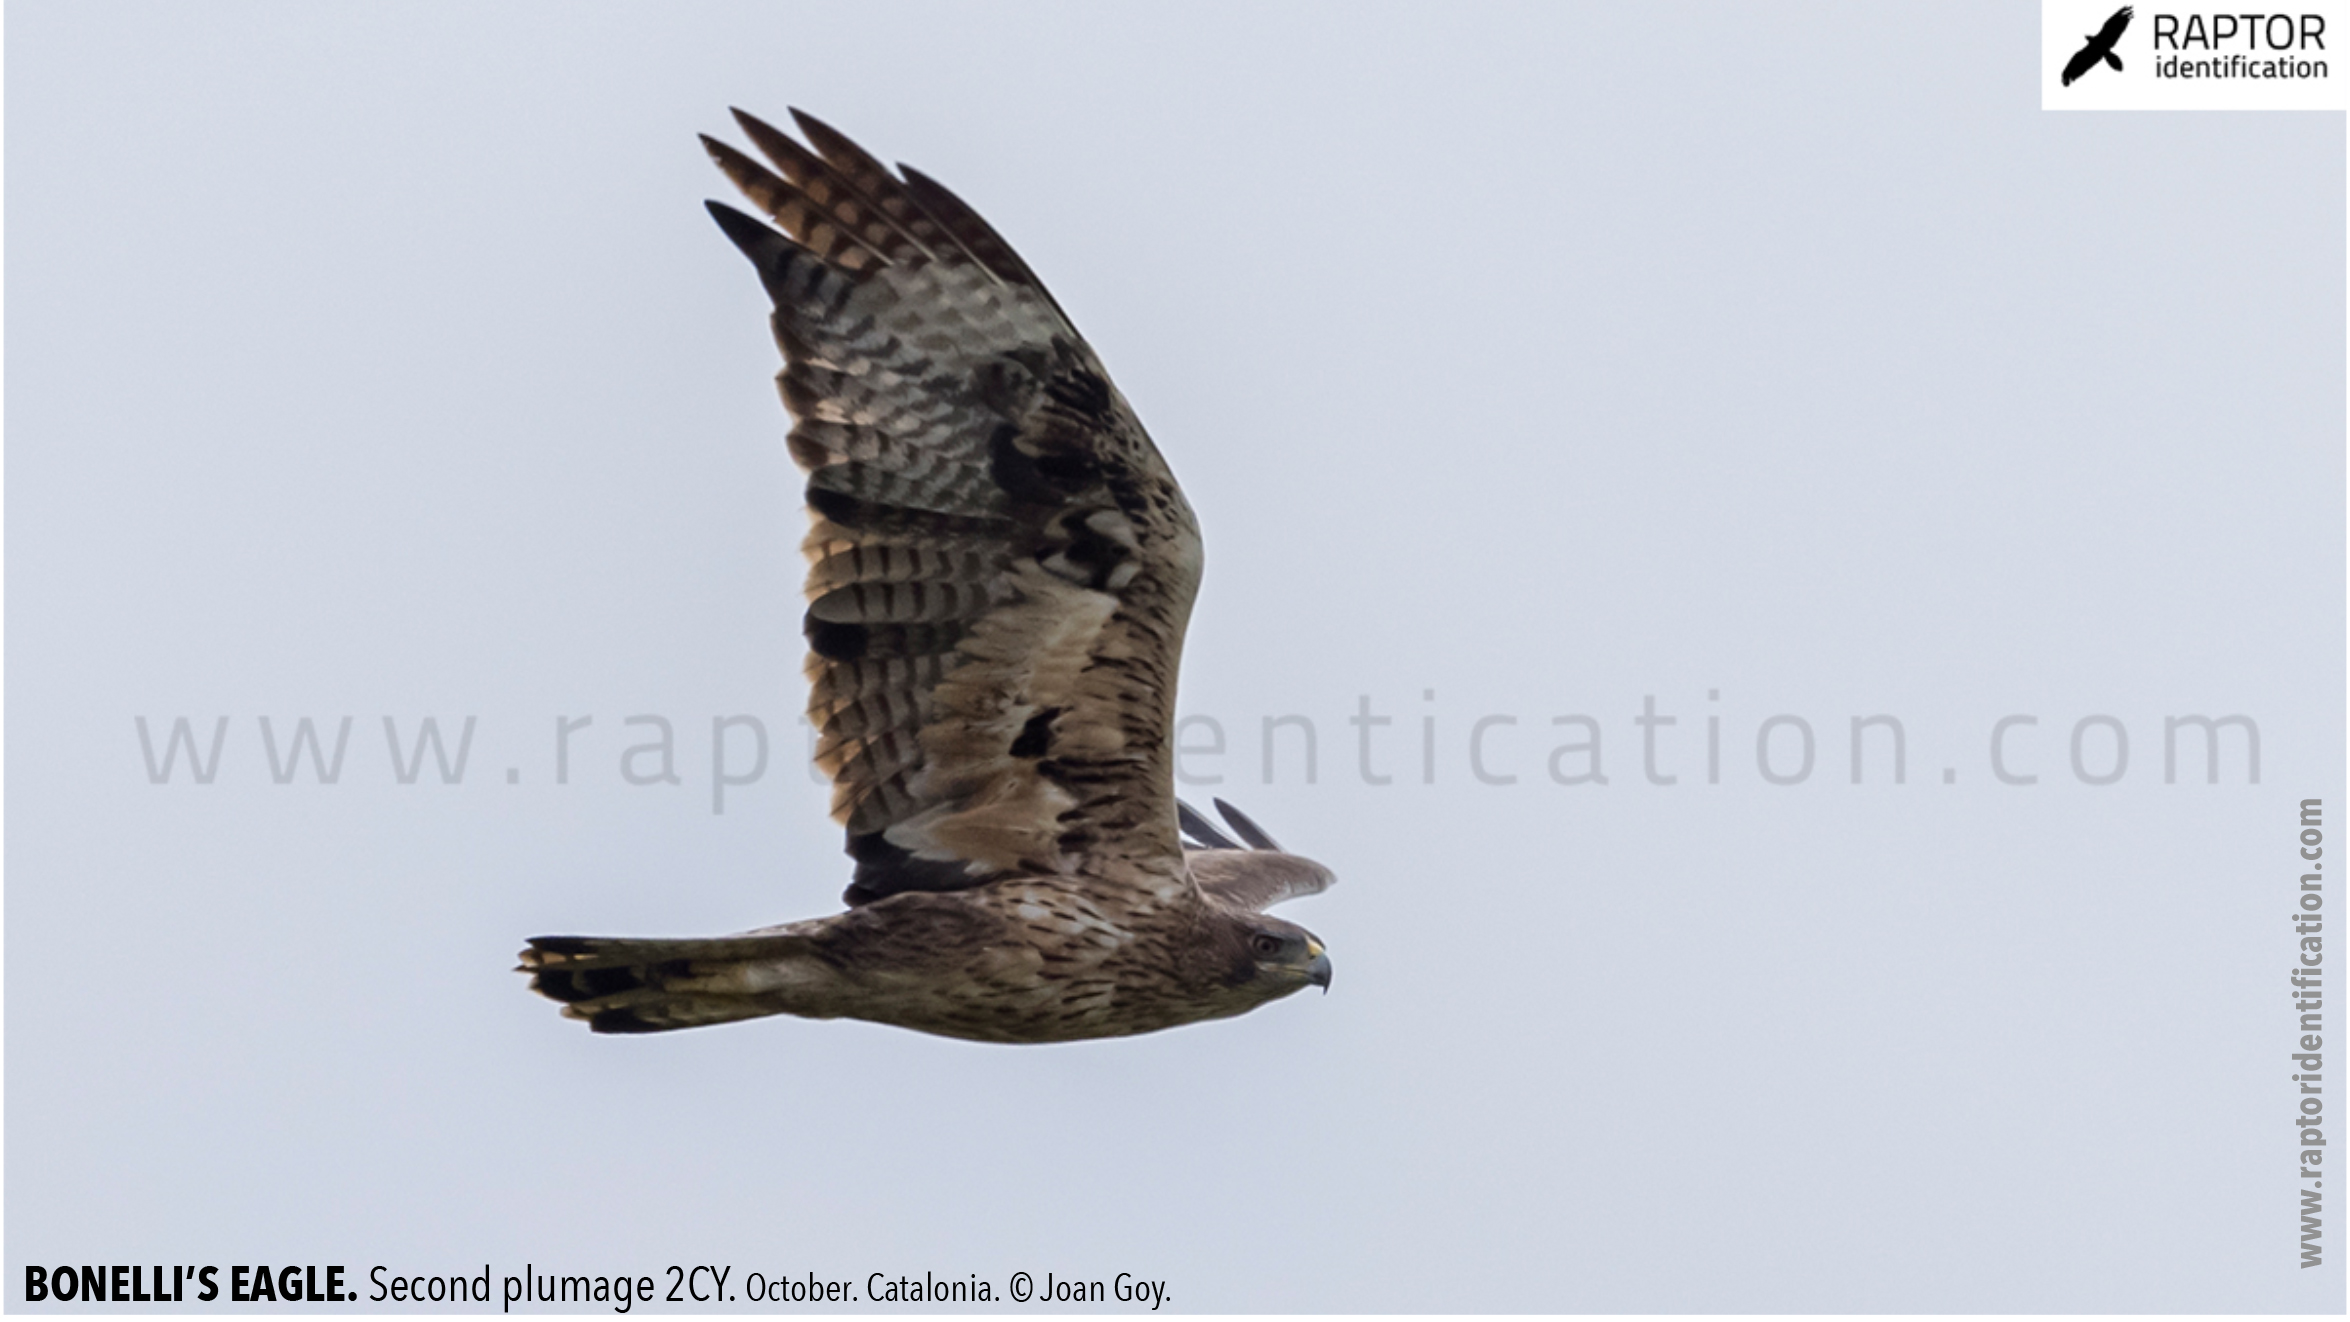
(1264, 958)
(1246, 958)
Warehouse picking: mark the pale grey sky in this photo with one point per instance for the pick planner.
(380, 361)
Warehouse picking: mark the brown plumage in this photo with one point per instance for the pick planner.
(1000, 570)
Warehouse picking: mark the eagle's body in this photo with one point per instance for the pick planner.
(1030, 960)
(1001, 568)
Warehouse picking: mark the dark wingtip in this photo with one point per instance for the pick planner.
(1249, 830)
(745, 230)
(1199, 828)
(810, 125)
(767, 250)
(762, 133)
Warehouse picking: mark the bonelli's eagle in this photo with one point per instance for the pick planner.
(1000, 570)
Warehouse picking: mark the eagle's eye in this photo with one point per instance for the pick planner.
(1265, 943)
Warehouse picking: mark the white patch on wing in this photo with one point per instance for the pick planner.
(1019, 660)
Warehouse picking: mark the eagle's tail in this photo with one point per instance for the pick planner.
(652, 985)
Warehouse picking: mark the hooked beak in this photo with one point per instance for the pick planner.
(1318, 972)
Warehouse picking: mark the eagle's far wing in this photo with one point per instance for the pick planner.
(1000, 564)
(1254, 879)
(1253, 876)
(2111, 33)
(2080, 62)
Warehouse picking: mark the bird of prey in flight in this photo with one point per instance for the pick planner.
(1000, 570)
(2100, 47)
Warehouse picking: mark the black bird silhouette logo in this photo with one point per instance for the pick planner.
(2100, 47)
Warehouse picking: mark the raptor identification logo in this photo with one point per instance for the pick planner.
(2098, 55)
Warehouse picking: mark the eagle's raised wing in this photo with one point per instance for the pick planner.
(1254, 876)
(1000, 564)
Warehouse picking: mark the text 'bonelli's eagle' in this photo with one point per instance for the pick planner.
(1000, 571)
